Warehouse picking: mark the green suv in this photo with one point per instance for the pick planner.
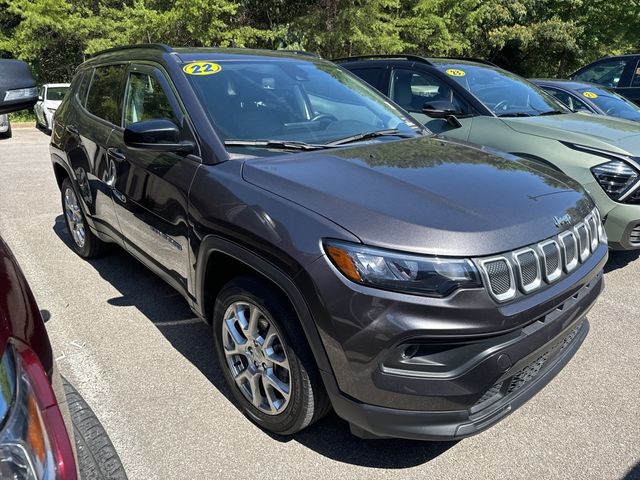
(476, 101)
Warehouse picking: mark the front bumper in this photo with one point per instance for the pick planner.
(492, 370)
(621, 220)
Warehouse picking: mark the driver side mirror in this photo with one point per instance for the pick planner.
(442, 109)
(157, 135)
(17, 87)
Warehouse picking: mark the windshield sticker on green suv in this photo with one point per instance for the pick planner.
(201, 68)
(454, 72)
(590, 95)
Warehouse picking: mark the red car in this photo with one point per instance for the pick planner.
(47, 432)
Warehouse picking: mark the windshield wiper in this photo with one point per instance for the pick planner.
(276, 144)
(392, 132)
(515, 114)
(552, 112)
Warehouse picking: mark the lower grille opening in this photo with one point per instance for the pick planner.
(525, 375)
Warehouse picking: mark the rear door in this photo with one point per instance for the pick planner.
(150, 188)
(88, 126)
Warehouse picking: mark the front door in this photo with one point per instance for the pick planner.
(150, 189)
(412, 90)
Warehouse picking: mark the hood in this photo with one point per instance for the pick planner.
(607, 133)
(425, 195)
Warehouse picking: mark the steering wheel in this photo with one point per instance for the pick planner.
(324, 116)
(502, 104)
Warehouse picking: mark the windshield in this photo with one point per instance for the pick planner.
(611, 103)
(295, 101)
(504, 93)
(56, 93)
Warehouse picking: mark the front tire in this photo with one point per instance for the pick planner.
(84, 242)
(274, 381)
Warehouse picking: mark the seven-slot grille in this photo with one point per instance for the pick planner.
(529, 268)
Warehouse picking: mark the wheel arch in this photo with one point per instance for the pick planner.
(237, 260)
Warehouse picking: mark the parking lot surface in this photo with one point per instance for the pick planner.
(134, 350)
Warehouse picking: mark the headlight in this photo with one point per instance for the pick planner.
(20, 94)
(31, 439)
(432, 276)
(615, 177)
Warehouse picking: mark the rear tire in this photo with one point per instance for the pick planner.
(7, 134)
(260, 366)
(97, 458)
(84, 242)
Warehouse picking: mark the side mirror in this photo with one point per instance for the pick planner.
(40, 98)
(156, 135)
(442, 109)
(17, 87)
(439, 109)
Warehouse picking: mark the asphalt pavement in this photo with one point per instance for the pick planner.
(135, 352)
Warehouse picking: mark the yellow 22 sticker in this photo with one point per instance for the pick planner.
(455, 72)
(590, 95)
(201, 68)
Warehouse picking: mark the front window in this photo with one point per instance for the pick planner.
(57, 93)
(294, 101)
(611, 103)
(504, 93)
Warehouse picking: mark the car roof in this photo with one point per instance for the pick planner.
(186, 54)
(431, 61)
(567, 84)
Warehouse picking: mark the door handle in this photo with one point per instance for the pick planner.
(117, 154)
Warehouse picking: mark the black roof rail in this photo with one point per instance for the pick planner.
(415, 58)
(470, 59)
(155, 46)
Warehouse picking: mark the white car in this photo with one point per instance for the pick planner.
(50, 96)
(5, 127)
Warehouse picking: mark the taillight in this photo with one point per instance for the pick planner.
(34, 444)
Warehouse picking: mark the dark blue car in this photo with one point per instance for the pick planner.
(589, 97)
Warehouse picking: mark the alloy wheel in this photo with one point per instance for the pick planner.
(256, 357)
(74, 217)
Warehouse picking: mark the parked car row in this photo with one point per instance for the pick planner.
(421, 286)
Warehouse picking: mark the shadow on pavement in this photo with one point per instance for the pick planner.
(171, 314)
(620, 259)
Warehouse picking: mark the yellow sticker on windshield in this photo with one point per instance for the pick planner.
(454, 72)
(201, 68)
(590, 95)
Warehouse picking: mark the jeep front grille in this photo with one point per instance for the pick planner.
(528, 269)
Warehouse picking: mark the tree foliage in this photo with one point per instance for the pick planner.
(530, 37)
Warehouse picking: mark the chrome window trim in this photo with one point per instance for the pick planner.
(569, 266)
(538, 280)
(553, 276)
(509, 294)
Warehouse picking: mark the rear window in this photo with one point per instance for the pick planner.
(103, 99)
(57, 93)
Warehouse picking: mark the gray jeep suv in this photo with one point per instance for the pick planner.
(346, 258)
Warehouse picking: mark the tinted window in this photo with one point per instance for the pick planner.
(374, 77)
(103, 99)
(570, 101)
(293, 100)
(504, 93)
(57, 93)
(146, 100)
(83, 86)
(635, 82)
(413, 90)
(607, 72)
